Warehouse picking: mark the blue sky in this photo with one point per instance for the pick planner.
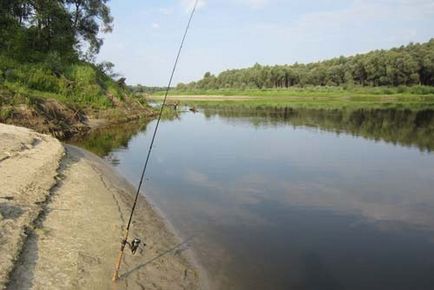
(238, 33)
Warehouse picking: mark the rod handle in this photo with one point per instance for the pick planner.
(118, 265)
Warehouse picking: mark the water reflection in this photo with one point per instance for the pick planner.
(104, 141)
(283, 202)
(404, 127)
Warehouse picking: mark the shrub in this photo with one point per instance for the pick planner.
(5, 113)
(42, 79)
(82, 74)
(6, 63)
(401, 89)
(387, 91)
(85, 87)
(53, 61)
(423, 90)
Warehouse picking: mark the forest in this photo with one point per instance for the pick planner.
(404, 66)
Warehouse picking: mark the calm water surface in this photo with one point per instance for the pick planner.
(293, 200)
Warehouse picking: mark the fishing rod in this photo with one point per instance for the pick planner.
(127, 230)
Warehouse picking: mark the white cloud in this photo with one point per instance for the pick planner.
(166, 11)
(255, 4)
(189, 4)
(155, 25)
(359, 27)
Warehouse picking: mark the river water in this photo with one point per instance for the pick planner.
(292, 199)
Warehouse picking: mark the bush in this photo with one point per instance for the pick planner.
(5, 113)
(6, 63)
(53, 61)
(401, 89)
(81, 74)
(84, 86)
(422, 90)
(387, 91)
(42, 79)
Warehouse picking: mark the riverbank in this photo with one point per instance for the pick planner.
(62, 215)
(414, 98)
(64, 120)
(66, 100)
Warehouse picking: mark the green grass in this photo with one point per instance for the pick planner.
(79, 84)
(312, 97)
(310, 91)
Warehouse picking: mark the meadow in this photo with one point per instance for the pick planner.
(416, 97)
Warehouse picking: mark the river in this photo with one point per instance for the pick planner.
(292, 199)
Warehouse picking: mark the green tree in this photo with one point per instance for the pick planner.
(89, 17)
(407, 65)
(33, 28)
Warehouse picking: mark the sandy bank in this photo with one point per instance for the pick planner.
(62, 215)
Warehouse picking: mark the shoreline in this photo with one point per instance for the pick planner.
(146, 203)
(189, 253)
(65, 121)
(84, 229)
(348, 100)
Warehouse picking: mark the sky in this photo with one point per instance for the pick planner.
(228, 34)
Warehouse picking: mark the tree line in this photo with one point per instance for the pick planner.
(32, 29)
(404, 66)
(145, 89)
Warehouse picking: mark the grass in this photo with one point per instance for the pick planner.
(312, 97)
(58, 98)
(317, 91)
(79, 84)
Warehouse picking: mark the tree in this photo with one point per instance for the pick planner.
(408, 65)
(32, 28)
(88, 18)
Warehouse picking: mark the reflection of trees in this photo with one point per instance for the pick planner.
(104, 140)
(404, 127)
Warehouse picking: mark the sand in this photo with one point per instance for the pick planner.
(63, 211)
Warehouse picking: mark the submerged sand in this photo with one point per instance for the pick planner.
(62, 215)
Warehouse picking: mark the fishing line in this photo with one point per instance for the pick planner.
(154, 135)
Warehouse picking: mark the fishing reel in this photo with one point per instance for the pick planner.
(134, 245)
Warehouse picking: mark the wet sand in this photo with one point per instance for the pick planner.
(63, 211)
